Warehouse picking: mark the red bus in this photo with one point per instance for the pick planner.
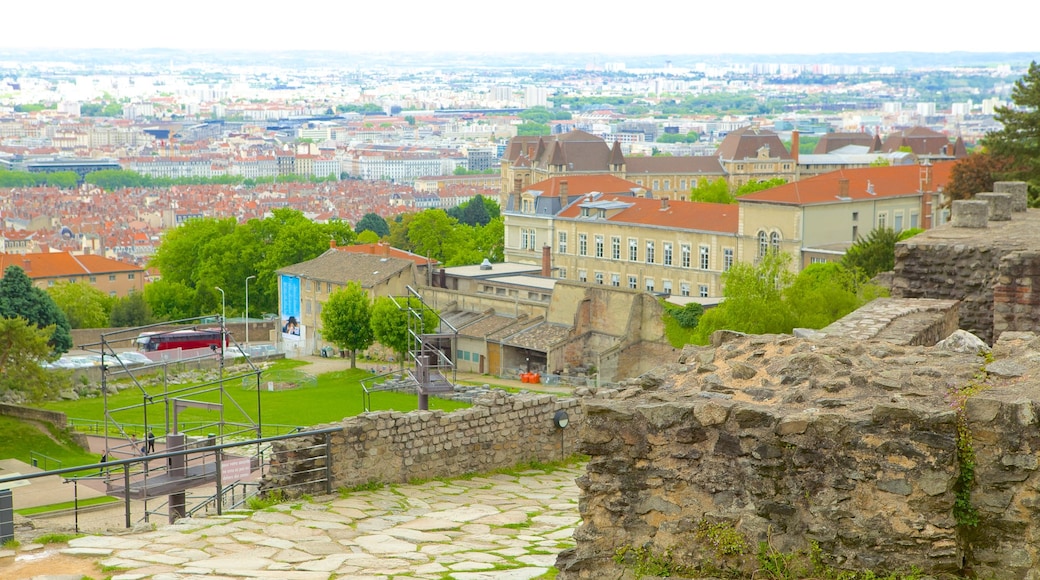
(183, 339)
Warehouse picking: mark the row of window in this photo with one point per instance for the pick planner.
(633, 282)
(94, 279)
(312, 285)
(649, 253)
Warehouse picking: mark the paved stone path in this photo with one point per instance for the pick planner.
(494, 527)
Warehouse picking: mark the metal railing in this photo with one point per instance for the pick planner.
(143, 483)
(36, 457)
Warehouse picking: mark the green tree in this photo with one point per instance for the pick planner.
(62, 179)
(373, 223)
(131, 310)
(873, 254)
(19, 298)
(23, 346)
(1018, 140)
(753, 299)
(475, 212)
(390, 323)
(712, 191)
(367, 237)
(84, 305)
(975, 173)
(346, 320)
(431, 234)
(823, 293)
(759, 185)
(530, 128)
(688, 316)
(170, 300)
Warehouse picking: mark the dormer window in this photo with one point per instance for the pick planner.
(585, 212)
(602, 214)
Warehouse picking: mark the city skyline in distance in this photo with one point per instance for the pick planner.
(537, 27)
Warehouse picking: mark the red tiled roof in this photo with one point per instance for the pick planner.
(59, 264)
(685, 215)
(386, 250)
(582, 184)
(891, 181)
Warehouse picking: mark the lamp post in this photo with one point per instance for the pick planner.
(223, 318)
(248, 278)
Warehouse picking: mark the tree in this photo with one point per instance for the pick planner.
(23, 346)
(170, 300)
(823, 293)
(753, 301)
(373, 223)
(367, 237)
(131, 310)
(84, 305)
(431, 234)
(975, 173)
(18, 297)
(475, 212)
(712, 191)
(346, 320)
(390, 323)
(873, 254)
(1018, 140)
(688, 316)
(759, 185)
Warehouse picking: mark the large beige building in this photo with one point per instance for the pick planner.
(112, 277)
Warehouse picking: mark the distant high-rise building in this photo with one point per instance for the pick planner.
(536, 97)
(926, 109)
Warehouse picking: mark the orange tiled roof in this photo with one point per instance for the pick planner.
(386, 250)
(863, 183)
(582, 184)
(684, 215)
(62, 264)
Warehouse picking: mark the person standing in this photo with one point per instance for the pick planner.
(151, 441)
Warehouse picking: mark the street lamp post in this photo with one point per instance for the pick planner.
(223, 317)
(248, 278)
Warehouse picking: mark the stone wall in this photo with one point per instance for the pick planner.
(987, 265)
(917, 322)
(59, 420)
(500, 430)
(848, 443)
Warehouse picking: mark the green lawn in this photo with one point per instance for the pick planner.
(332, 397)
(18, 438)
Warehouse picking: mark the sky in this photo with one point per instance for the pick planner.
(543, 26)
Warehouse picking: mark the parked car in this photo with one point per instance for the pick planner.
(128, 359)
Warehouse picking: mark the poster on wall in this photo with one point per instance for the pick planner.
(290, 308)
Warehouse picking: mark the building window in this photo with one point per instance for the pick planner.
(727, 259)
(633, 282)
(583, 276)
(666, 287)
(682, 184)
(855, 216)
(583, 244)
(615, 248)
(763, 244)
(702, 290)
(684, 252)
(667, 253)
(882, 220)
(524, 241)
(684, 288)
(705, 257)
(633, 250)
(656, 184)
(328, 287)
(817, 260)
(649, 284)
(774, 242)
(309, 286)
(668, 184)
(562, 242)
(562, 273)
(598, 277)
(307, 306)
(93, 279)
(599, 246)
(913, 220)
(111, 277)
(855, 233)
(649, 251)
(615, 280)
(897, 222)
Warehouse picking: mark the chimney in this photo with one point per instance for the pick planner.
(843, 188)
(27, 265)
(664, 203)
(547, 261)
(794, 146)
(385, 247)
(332, 244)
(563, 188)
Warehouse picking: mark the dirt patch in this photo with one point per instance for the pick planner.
(46, 561)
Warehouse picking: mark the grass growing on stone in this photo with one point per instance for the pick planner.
(329, 399)
(56, 538)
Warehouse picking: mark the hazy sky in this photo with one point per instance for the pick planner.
(658, 27)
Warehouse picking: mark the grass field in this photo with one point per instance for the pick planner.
(330, 398)
(18, 438)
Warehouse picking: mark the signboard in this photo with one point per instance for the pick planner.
(292, 329)
(234, 469)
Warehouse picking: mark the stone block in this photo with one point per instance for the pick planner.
(1019, 193)
(999, 205)
(969, 213)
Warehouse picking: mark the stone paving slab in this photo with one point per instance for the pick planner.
(498, 527)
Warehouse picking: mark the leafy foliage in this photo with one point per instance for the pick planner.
(758, 185)
(873, 254)
(23, 346)
(131, 310)
(975, 173)
(19, 298)
(688, 316)
(712, 191)
(1018, 140)
(62, 179)
(390, 324)
(84, 305)
(373, 223)
(346, 320)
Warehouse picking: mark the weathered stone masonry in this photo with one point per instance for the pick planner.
(852, 444)
(500, 430)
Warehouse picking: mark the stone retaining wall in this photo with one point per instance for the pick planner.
(499, 431)
(847, 443)
(59, 420)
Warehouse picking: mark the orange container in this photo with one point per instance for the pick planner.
(536, 378)
(524, 377)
